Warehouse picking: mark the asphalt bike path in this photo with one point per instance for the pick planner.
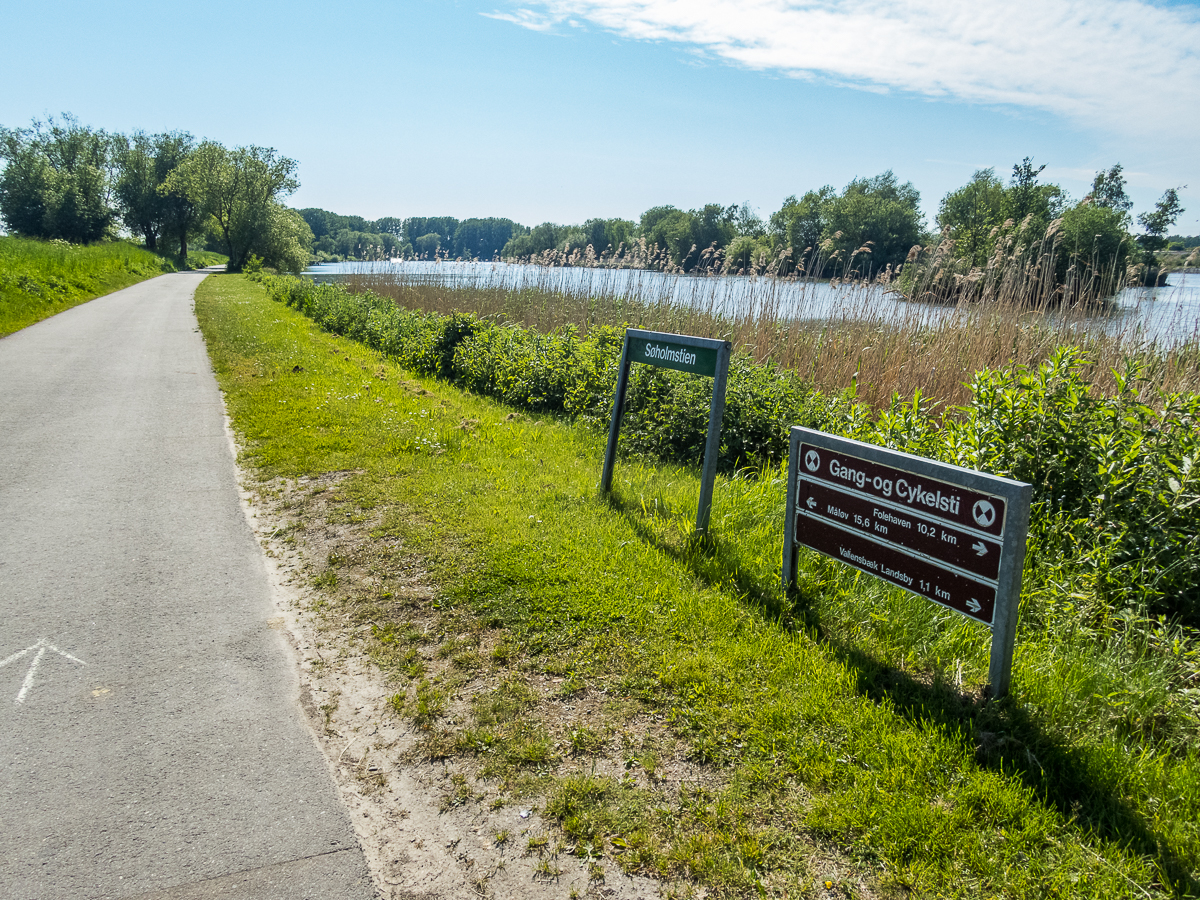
(151, 739)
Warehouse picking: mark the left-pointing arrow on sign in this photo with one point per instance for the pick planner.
(40, 647)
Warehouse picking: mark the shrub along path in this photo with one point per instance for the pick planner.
(844, 723)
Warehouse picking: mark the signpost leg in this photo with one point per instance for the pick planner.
(1004, 632)
(610, 451)
(789, 517)
(712, 446)
(1008, 601)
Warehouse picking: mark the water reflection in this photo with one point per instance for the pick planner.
(1166, 316)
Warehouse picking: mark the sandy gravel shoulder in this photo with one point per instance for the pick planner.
(431, 826)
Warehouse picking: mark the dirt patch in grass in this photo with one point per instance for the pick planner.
(467, 770)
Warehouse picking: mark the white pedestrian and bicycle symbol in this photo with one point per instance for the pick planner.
(984, 513)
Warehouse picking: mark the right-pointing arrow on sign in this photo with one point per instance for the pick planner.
(973, 605)
(980, 548)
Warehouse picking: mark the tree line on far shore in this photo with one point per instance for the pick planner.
(874, 225)
(67, 181)
(338, 237)
(868, 229)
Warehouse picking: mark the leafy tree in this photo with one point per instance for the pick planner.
(673, 231)
(389, 225)
(714, 224)
(572, 238)
(603, 234)
(323, 222)
(183, 216)
(147, 208)
(745, 252)
(518, 246)
(1094, 245)
(798, 224)
(652, 217)
(443, 226)
(886, 186)
(360, 244)
(746, 221)
(427, 245)
(1108, 190)
(353, 237)
(286, 243)
(972, 213)
(241, 189)
(687, 234)
(1032, 206)
(482, 238)
(58, 180)
(1158, 220)
(545, 237)
(25, 187)
(873, 224)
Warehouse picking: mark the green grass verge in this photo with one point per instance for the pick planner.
(41, 278)
(846, 720)
(199, 259)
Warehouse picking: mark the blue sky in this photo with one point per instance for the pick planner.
(553, 110)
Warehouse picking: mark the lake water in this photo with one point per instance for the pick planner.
(1166, 315)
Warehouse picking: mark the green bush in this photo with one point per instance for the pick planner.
(1120, 472)
(1114, 489)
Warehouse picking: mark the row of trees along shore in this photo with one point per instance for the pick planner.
(66, 181)
(990, 238)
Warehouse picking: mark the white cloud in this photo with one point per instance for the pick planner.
(527, 18)
(1124, 66)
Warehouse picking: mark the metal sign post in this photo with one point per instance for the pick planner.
(700, 356)
(952, 535)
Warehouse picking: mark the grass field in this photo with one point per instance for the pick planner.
(41, 278)
(844, 724)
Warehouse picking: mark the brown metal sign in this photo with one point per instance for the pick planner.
(976, 599)
(954, 536)
(968, 549)
(949, 502)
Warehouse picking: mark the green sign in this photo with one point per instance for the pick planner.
(701, 356)
(668, 355)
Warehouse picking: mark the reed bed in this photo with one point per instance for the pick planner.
(843, 334)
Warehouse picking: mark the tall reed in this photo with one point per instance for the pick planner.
(854, 334)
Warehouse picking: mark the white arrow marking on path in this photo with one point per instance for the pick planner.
(973, 605)
(41, 647)
(980, 548)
